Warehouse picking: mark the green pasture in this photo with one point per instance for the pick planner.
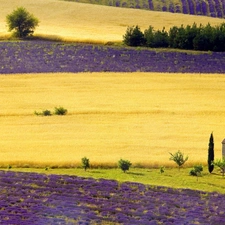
(171, 177)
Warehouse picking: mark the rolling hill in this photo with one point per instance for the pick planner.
(73, 21)
(213, 8)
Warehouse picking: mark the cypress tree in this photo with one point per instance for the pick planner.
(211, 153)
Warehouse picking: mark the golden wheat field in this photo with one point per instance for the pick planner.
(136, 116)
(93, 23)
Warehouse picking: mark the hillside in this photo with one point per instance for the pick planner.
(94, 23)
(213, 8)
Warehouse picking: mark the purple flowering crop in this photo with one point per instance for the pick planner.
(213, 8)
(30, 198)
(43, 57)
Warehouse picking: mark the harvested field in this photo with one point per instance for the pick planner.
(138, 116)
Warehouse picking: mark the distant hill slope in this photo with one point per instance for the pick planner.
(212, 8)
(93, 23)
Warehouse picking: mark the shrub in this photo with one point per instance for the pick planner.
(221, 164)
(60, 111)
(178, 158)
(196, 171)
(22, 22)
(85, 163)
(134, 37)
(45, 112)
(124, 165)
(162, 169)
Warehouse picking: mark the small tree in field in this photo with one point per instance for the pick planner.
(196, 171)
(221, 164)
(85, 163)
(178, 158)
(124, 165)
(21, 22)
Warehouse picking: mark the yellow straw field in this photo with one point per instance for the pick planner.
(136, 116)
(93, 23)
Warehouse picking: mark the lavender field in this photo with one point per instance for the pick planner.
(41, 56)
(212, 8)
(30, 198)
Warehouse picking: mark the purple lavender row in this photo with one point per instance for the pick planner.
(30, 198)
(43, 57)
(213, 8)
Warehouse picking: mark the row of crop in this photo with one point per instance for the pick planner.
(29, 198)
(42, 57)
(212, 8)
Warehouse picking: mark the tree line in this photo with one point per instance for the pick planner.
(202, 37)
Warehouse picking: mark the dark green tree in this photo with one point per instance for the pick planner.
(211, 154)
(124, 165)
(134, 37)
(85, 163)
(21, 22)
(149, 36)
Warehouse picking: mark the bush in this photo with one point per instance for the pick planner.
(134, 37)
(162, 169)
(22, 22)
(60, 111)
(45, 112)
(178, 158)
(85, 163)
(196, 171)
(221, 164)
(124, 165)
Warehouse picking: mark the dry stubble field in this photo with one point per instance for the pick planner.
(137, 116)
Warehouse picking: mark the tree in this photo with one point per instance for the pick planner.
(156, 39)
(124, 165)
(178, 158)
(21, 22)
(211, 154)
(134, 37)
(221, 164)
(85, 163)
